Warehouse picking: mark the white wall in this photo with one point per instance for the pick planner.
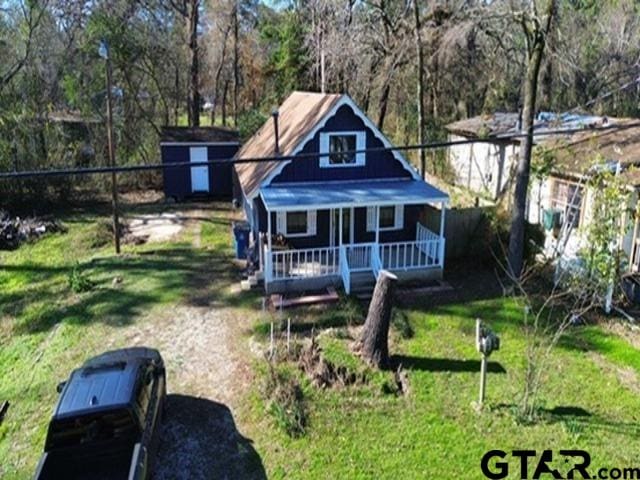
(481, 167)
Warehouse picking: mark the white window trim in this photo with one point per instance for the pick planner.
(398, 218)
(312, 224)
(361, 144)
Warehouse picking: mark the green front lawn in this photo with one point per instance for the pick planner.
(362, 432)
(46, 329)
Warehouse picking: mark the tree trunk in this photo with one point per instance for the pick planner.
(374, 345)
(194, 92)
(224, 103)
(384, 101)
(236, 64)
(536, 43)
(420, 90)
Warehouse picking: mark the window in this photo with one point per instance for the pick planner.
(342, 149)
(387, 217)
(391, 218)
(296, 224)
(338, 146)
(566, 198)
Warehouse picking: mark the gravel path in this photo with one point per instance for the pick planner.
(207, 361)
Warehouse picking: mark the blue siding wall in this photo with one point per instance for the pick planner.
(321, 239)
(177, 180)
(378, 164)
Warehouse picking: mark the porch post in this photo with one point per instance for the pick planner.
(442, 210)
(340, 229)
(377, 224)
(269, 230)
(268, 261)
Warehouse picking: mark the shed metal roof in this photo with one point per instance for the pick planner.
(308, 196)
(199, 135)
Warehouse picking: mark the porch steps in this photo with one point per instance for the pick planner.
(362, 285)
(251, 281)
(280, 302)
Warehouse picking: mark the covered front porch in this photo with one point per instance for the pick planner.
(342, 233)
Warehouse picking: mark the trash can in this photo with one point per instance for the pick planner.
(241, 239)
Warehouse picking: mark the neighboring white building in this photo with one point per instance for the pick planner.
(565, 192)
(483, 167)
(487, 164)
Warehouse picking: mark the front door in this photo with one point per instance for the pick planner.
(200, 173)
(347, 226)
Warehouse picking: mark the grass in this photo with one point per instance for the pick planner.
(363, 432)
(46, 329)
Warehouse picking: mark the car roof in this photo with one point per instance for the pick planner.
(99, 386)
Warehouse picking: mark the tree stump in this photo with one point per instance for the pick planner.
(374, 340)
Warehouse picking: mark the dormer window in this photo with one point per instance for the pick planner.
(340, 147)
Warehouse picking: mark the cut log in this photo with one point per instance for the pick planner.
(374, 340)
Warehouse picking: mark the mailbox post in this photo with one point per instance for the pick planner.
(486, 343)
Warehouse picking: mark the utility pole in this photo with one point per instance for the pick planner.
(104, 53)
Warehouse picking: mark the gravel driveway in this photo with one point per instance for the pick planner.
(207, 360)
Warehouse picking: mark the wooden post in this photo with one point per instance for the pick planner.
(374, 345)
(112, 158)
(483, 380)
(443, 207)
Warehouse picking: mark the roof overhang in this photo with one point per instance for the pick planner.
(318, 196)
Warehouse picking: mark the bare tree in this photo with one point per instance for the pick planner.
(32, 13)
(190, 11)
(536, 28)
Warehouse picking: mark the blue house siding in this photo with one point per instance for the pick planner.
(177, 180)
(406, 234)
(360, 235)
(378, 164)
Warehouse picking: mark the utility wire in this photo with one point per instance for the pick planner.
(68, 171)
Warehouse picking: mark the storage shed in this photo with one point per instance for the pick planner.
(198, 144)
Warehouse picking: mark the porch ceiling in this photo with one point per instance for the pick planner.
(307, 196)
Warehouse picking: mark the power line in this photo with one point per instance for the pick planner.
(68, 171)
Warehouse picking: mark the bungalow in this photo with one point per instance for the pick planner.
(340, 206)
(564, 198)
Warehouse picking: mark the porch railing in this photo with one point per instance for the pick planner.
(427, 251)
(376, 262)
(344, 270)
(359, 256)
(410, 255)
(306, 263)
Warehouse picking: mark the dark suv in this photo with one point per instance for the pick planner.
(106, 420)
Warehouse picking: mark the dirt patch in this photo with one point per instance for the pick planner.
(158, 227)
(626, 375)
(630, 333)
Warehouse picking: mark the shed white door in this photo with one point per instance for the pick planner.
(199, 174)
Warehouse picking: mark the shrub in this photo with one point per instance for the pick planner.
(285, 401)
(78, 279)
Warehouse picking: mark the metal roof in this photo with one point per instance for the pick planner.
(309, 196)
(197, 135)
